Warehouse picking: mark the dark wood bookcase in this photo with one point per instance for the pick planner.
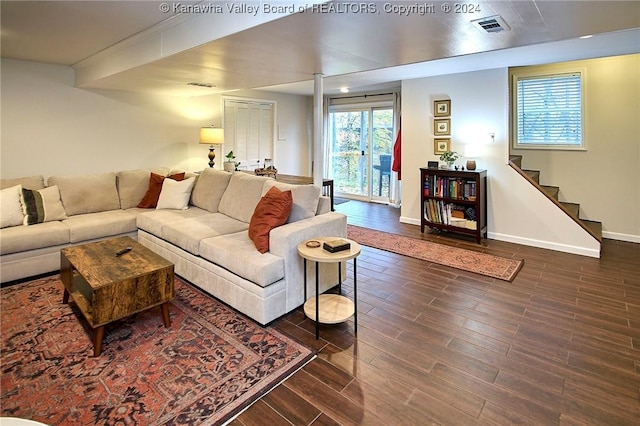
(454, 200)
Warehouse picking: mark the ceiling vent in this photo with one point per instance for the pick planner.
(491, 24)
(208, 85)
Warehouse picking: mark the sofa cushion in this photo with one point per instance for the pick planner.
(133, 184)
(175, 194)
(42, 205)
(242, 196)
(151, 196)
(209, 189)
(153, 221)
(87, 193)
(305, 199)
(236, 253)
(29, 182)
(272, 210)
(11, 207)
(21, 238)
(188, 233)
(99, 225)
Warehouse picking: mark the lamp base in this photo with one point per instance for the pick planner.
(471, 164)
(212, 156)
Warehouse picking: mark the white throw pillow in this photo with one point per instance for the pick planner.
(10, 206)
(175, 194)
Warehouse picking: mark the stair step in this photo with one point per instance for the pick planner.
(533, 174)
(516, 159)
(552, 191)
(572, 208)
(594, 227)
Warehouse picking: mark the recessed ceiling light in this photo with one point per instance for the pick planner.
(587, 36)
(344, 90)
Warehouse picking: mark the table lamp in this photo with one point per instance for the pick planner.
(211, 136)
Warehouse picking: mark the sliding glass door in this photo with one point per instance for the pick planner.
(361, 144)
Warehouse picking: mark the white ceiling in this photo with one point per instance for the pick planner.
(368, 50)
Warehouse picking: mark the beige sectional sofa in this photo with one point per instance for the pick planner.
(207, 241)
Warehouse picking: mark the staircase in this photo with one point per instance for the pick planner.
(571, 209)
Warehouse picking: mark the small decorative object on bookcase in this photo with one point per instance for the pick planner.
(471, 152)
(449, 157)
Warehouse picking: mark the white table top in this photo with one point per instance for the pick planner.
(318, 254)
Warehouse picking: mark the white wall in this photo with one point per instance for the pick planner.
(479, 105)
(50, 127)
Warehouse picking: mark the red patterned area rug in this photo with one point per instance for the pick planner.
(210, 364)
(455, 257)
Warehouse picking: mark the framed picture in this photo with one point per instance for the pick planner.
(440, 146)
(442, 126)
(442, 108)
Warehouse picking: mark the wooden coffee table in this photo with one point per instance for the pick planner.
(106, 287)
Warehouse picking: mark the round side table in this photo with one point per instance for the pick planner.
(330, 308)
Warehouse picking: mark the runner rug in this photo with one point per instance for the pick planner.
(455, 257)
(210, 364)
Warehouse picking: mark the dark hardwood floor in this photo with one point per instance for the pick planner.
(560, 345)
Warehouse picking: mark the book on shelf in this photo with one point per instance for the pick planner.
(459, 222)
(457, 213)
(455, 188)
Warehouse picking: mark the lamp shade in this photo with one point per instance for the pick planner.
(211, 136)
(471, 152)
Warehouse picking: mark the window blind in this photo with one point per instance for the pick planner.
(549, 110)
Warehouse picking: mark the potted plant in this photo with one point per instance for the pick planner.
(449, 157)
(231, 164)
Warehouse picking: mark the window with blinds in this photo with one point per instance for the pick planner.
(548, 111)
(248, 131)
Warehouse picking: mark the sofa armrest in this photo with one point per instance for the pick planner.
(283, 242)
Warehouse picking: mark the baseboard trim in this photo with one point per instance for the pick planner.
(621, 237)
(409, 220)
(583, 251)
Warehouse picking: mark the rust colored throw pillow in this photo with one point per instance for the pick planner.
(150, 199)
(272, 210)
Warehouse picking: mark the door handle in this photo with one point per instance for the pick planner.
(362, 152)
